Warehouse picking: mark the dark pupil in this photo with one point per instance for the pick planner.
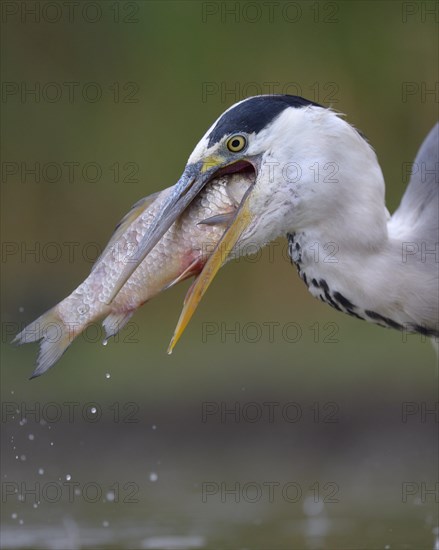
(236, 143)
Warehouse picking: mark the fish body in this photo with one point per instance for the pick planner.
(181, 253)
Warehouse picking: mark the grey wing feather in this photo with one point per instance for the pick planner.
(417, 216)
(415, 226)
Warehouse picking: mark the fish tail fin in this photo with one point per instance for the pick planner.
(115, 322)
(55, 335)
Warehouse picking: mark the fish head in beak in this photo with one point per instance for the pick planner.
(230, 156)
(195, 177)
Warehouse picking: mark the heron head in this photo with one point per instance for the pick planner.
(307, 162)
(272, 138)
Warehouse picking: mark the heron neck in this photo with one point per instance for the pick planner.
(376, 282)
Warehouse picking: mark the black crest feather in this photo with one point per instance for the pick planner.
(254, 114)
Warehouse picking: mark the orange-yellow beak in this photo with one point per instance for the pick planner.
(239, 223)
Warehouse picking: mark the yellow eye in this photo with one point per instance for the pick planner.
(236, 143)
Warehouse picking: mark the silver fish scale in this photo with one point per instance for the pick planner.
(182, 244)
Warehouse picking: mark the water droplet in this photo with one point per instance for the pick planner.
(31, 437)
(14, 515)
(23, 458)
(21, 309)
(68, 477)
(110, 496)
(35, 505)
(12, 392)
(105, 342)
(107, 375)
(41, 471)
(93, 410)
(51, 443)
(105, 523)
(311, 506)
(153, 476)
(154, 427)
(20, 521)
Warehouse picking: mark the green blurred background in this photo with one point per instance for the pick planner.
(165, 71)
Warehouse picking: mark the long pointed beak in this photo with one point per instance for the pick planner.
(240, 222)
(194, 178)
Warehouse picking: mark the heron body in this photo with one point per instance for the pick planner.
(378, 268)
(312, 177)
(385, 272)
(347, 248)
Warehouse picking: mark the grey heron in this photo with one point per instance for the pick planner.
(386, 268)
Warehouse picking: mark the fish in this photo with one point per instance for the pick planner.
(181, 253)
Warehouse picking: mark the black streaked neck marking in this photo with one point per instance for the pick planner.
(254, 114)
(338, 301)
(334, 299)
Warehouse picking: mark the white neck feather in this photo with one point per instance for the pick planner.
(340, 221)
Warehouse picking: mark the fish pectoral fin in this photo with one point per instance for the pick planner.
(136, 210)
(218, 219)
(115, 322)
(192, 269)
